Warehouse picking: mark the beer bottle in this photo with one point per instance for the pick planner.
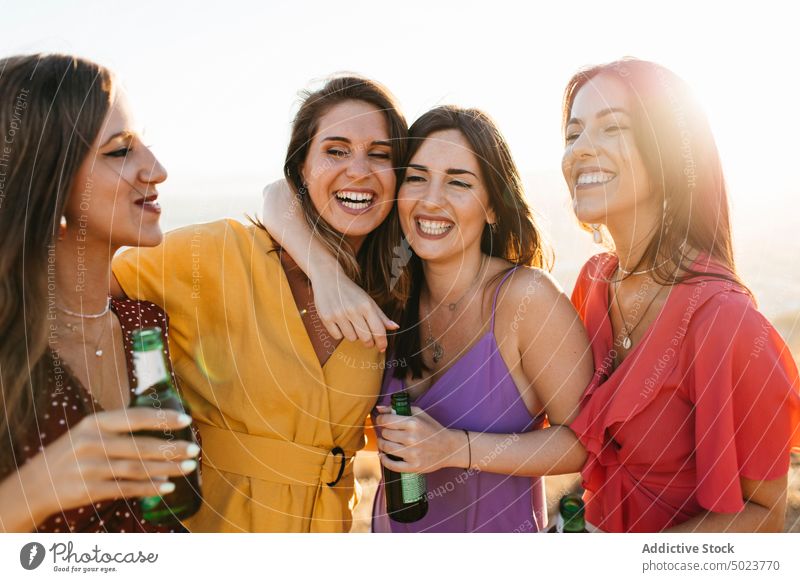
(406, 493)
(570, 515)
(155, 389)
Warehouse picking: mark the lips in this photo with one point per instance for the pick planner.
(433, 227)
(355, 201)
(588, 177)
(149, 204)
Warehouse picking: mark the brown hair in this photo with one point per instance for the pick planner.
(515, 237)
(49, 104)
(372, 268)
(674, 138)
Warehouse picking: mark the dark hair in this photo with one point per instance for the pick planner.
(674, 138)
(515, 238)
(50, 107)
(372, 268)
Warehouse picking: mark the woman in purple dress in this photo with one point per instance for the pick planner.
(490, 349)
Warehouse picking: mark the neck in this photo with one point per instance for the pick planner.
(447, 281)
(356, 242)
(631, 235)
(83, 273)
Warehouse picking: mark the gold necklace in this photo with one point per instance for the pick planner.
(626, 333)
(431, 342)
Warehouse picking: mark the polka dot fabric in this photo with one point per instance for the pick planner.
(70, 402)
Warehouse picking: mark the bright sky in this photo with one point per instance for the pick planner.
(215, 83)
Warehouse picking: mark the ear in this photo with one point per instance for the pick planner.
(491, 217)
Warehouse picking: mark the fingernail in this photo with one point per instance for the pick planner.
(167, 487)
(192, 450)
(184, 419)
(188, 465)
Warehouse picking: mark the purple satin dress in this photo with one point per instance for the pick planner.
(478, 394)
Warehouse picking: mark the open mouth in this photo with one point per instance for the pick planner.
(355, 201)
(594, 178)
(149, 204)
(433, 228)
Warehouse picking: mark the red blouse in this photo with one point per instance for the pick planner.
(708, 396)
(68, 403)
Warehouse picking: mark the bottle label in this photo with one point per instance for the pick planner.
(150, 369)
(413, 487)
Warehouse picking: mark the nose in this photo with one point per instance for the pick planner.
(358, 168)
(433, 195)
(152, 172)
(582, 146)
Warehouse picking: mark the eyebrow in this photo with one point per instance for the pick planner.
(347, 140)
(126, 134)
(449, 172)
(602, 113)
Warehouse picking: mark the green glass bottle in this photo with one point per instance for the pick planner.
(406, 493)
(571, 515)
(155, 389)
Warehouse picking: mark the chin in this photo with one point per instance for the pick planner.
(149, 238)
(590, 212)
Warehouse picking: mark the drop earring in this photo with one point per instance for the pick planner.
(62, 228)
(597, 236)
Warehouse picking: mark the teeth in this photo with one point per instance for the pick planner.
(354, 196)
(595, 178)
(354, 205)
(434, 227)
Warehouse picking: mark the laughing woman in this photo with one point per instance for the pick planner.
(75, 175)
(694, 408)
(280, 403)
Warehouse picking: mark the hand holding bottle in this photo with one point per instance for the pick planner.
(98, 460)
(420, 441)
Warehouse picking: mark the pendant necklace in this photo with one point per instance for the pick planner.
(626, 333)
(432, 342)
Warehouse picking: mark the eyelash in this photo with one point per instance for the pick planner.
(420, 179)
(611, 128)
(120, 153)
(337, 153)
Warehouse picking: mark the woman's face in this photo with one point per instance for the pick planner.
(443, 202)
(349, 171)
(113, 198)
(602, 165)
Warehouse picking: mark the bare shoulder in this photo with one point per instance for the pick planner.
(533, 295)
(530, 285)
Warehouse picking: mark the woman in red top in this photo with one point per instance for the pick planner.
(694, 406)
(76, 184)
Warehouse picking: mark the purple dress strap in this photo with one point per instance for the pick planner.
(477, 393)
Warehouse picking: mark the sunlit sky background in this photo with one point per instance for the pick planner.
(215, 85)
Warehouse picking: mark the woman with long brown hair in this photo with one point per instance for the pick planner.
(280, 403)
(77, 184)
(694, 408)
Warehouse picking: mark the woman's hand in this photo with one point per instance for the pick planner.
(346, 310)
(99, 460)
(423, 444)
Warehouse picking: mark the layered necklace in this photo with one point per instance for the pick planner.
(72, 327)
(627, 332)
(431, 342)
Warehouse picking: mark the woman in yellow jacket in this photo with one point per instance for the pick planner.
(280, 401)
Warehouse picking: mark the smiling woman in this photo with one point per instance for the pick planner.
(281, 404)
(68, 460)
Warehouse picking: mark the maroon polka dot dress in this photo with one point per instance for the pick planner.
(69, 402)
